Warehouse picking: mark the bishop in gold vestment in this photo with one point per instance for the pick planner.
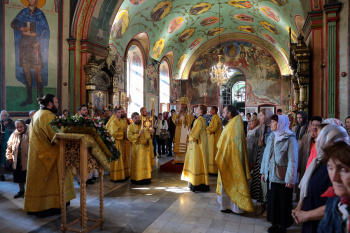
(43, 178)
(214, 131)
(183, 121)
(195, 169)
(141, 151)
(116, 128)
(232, 162)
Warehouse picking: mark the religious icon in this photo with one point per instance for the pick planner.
(240, 3)
(270, 13)
(181, 62)
(31, 38)
(137, 2)
(209, 21)
(161, 10)
(269, 38)
(294, 36)
(185, 35)
(175, 24)
(231, 50)
(195, 43)
(279, 2)
(244, 18)
(215, 31)
(269, 27)
(120, 24)
(200, 8)
(158, 48)
(246, 29)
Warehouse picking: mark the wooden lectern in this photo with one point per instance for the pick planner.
(83, 153)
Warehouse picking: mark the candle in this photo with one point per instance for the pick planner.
(152, 103)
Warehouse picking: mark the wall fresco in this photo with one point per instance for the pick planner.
(152, 80)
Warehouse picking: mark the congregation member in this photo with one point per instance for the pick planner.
(4, 137)
(232, 161)
(249, 120)
(245, 122)
(258, 189)
(42, 194)
(279, 112)
(31, 114)
(196, 169)
(161, 126)
(171, 129)
(214, 132)
(315, 182)
(279, 171)
(65, 114)
(7, 121)
(183, 120)
(336, 218)
(116, 128)
(107, 114)
(306, 144)
(141, 151)
(347, 125)
(17, 154)
(252, 142)
(302, 128)
(291, 120)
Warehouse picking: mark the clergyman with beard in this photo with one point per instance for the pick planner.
(141, 152)
(233, 165)
(42, 195)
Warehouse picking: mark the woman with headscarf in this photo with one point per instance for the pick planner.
(258, 189)
(279, 170)
(17, 154)
(7, 122)
(302, 128)
(311, 207)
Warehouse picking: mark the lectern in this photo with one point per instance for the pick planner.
(84, 153)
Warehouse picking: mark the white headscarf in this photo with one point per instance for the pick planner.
(282, 128)
(330, 132)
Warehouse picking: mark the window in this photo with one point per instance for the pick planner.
(135, 79)
(238, 92)
(164, 88)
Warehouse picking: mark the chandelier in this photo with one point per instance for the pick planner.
(219, 71)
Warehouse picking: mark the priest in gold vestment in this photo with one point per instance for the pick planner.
(126, 155)
(42, 195)
(183, 120)
(195, 169)
(141, 150)
(214, 131)
(116, 127)
(233, 165)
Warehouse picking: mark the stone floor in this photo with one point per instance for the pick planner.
(164, 206)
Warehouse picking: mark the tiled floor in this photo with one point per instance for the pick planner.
(164, 206)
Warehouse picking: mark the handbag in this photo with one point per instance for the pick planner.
(280, 172)
(164, 135)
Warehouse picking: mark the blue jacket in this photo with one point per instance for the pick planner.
(331, 221)
(286, 155)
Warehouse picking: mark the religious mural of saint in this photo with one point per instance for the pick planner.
(175, 24)
(137, 2)
(269, 38)
(200, 8)
(246, 29)
(160, 10)
(240, 3)
(244, 18)
(32, 36)
(158, 48)
(120, 24)
(270, 13)
(195, 43)
(209, 21)
(215, 31)
(269, 27)
(185, 35)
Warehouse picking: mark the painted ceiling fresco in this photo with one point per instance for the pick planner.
(182, 26)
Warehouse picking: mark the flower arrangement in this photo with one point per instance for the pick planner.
(86, 122)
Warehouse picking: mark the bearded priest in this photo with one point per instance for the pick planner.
(42, 195)
(183, 120)
(232, 162)
(214, 132)
(141, 151)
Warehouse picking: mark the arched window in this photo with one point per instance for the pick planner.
(164, 87)
(238, 91)
(135, 79)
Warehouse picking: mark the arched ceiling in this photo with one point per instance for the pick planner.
(183, 26)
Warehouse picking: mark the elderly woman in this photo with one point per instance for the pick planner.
(336, 218)
(258, 189)
(279, 170)
(17, 154)
(310, 209)
(8, 123)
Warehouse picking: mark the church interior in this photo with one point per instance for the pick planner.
(258, 54)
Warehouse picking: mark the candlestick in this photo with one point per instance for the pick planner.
(152, 103)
